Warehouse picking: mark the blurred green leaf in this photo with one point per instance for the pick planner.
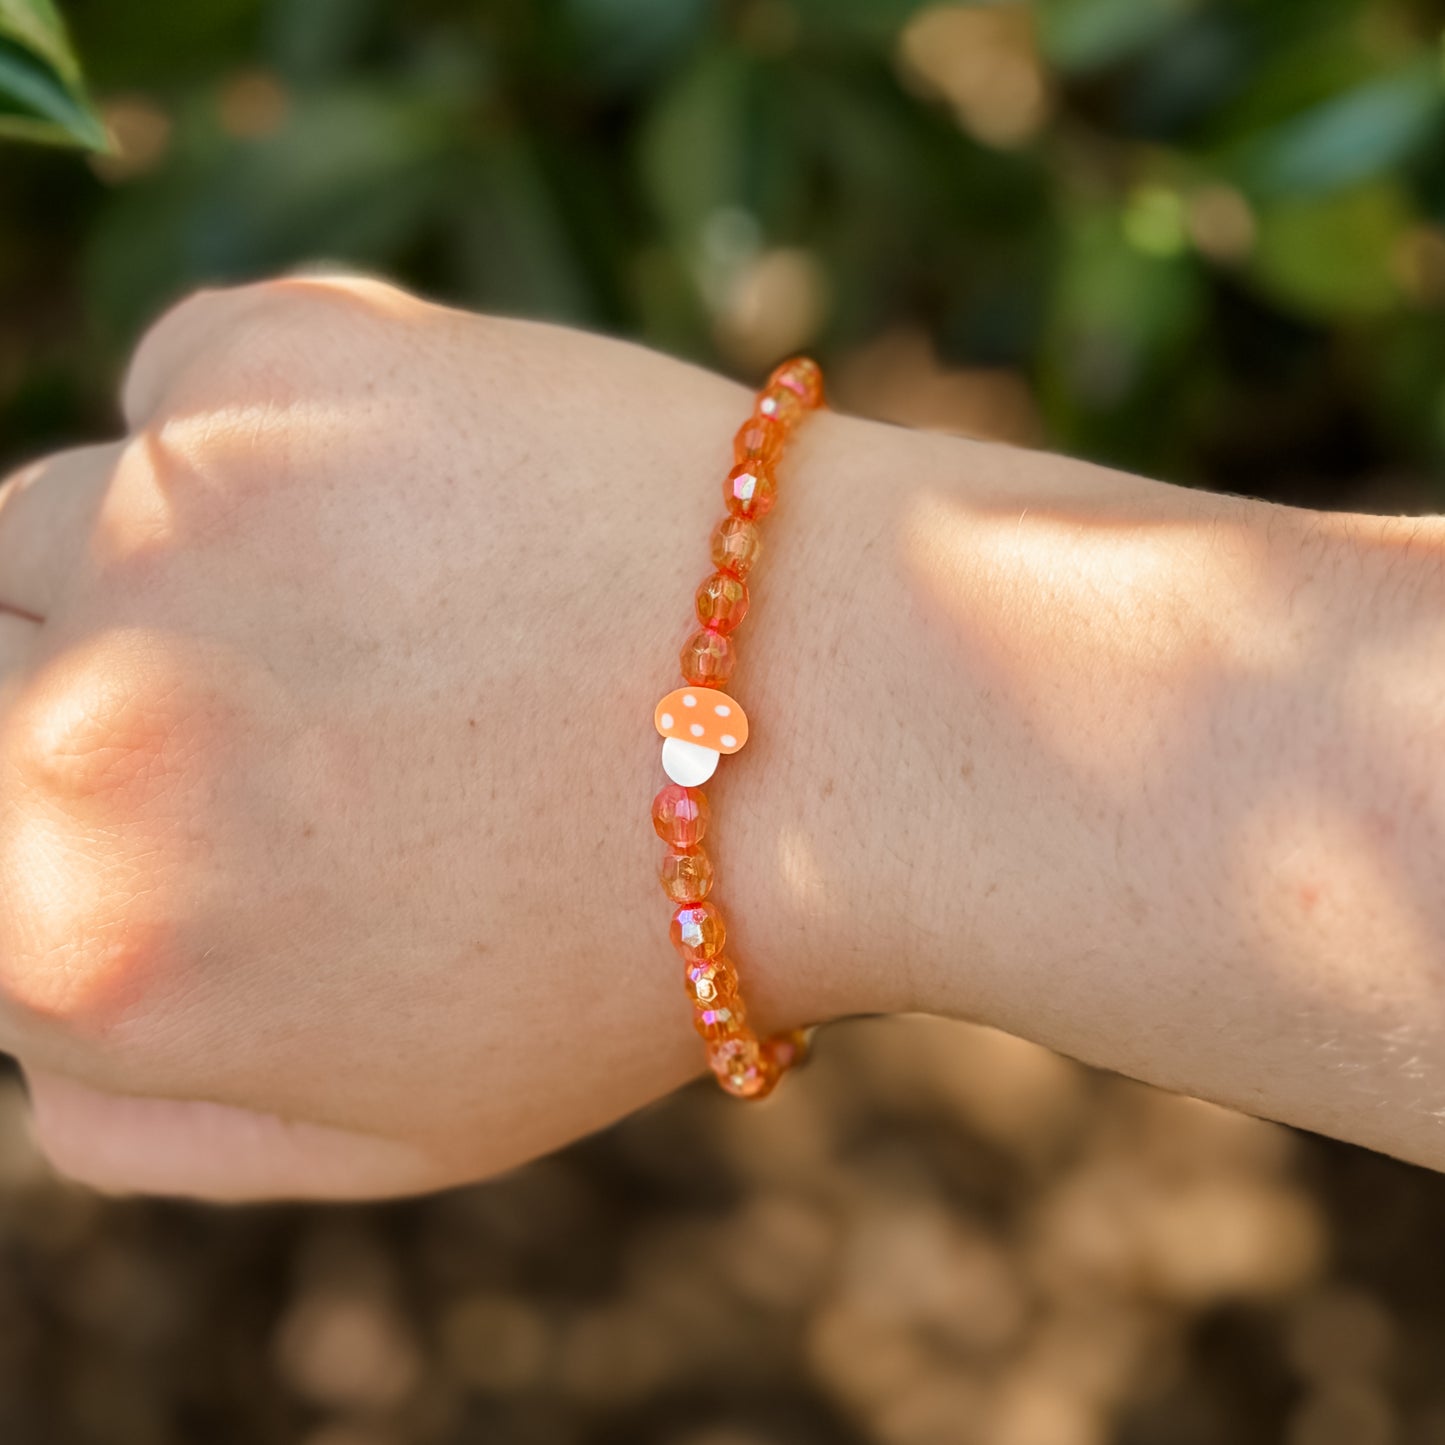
(347, 178)
(1372, 128)
(1332, 256)
(42, 94)
(624, 41)
(1080, 35)
(1174, 259)
(858, 21)
(1118, 309)
(693, 144)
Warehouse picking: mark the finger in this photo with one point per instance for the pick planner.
(124, 1144)
(46, 513)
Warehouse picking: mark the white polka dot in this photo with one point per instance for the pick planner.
(688, 700)
(697, 730)
(728, 740)
(666, 719)
(722, 709)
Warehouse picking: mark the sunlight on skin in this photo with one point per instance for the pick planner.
(1081, 577)
(1222, 692)
(100, 740)
(800, 869)
(58, 890)
(171, 355)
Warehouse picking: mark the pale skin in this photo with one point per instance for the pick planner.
(326, 753)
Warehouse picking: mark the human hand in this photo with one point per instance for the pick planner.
(327, 867)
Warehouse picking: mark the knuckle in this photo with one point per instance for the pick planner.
(95, 978)
(274, 338)
(115, 728)
(105, 759)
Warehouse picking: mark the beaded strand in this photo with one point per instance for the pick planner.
(700, 722)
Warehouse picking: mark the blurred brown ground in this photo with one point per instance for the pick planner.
(936, 1235)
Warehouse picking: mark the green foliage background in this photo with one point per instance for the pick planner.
(566, 158)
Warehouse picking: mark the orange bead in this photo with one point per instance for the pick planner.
(787, 1051)
(802, 376)
(741, 1067)
(749, 490)
(725, 1020)
(736, 544)
(712, 982)
(680, 816)
(759, 439)
(686, 876)
(698, 931)
(707, 659)
(782, 404)
(722, 602)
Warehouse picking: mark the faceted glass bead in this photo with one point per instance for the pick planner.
(786, 1051)
(680, 816)
(802, 376)
(741, 1067)
(707, 659)
(749, 490)
(698, 931)
(712, 983)
(736, 543)
(686, 876)
(723, 1021)
(722, 602)
(759, 439)
(781, 403)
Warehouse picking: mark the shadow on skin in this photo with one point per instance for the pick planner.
(1267, 927)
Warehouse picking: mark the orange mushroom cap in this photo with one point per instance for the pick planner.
(705, 716)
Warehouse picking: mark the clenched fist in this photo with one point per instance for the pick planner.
(327, 746)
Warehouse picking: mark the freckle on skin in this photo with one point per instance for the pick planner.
(828, 788)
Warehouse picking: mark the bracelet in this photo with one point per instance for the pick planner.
(699, 722)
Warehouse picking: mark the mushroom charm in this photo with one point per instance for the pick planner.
(698, 725)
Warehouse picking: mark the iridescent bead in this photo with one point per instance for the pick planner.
(802, 376)
(788, 1050)
(680, 816)
(707, 659)
(736, 543)
(782, 404)
(749, 490)
(722, 602)
(686, 876)
(741, 1067)
(759, 439)
(698, 931)
(725, 1021)
(712, 982)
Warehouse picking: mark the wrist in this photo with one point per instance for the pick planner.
(982, 682)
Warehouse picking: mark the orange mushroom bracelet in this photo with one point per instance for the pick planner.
(700, 724)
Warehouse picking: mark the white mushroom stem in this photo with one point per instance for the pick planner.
(688, 764)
